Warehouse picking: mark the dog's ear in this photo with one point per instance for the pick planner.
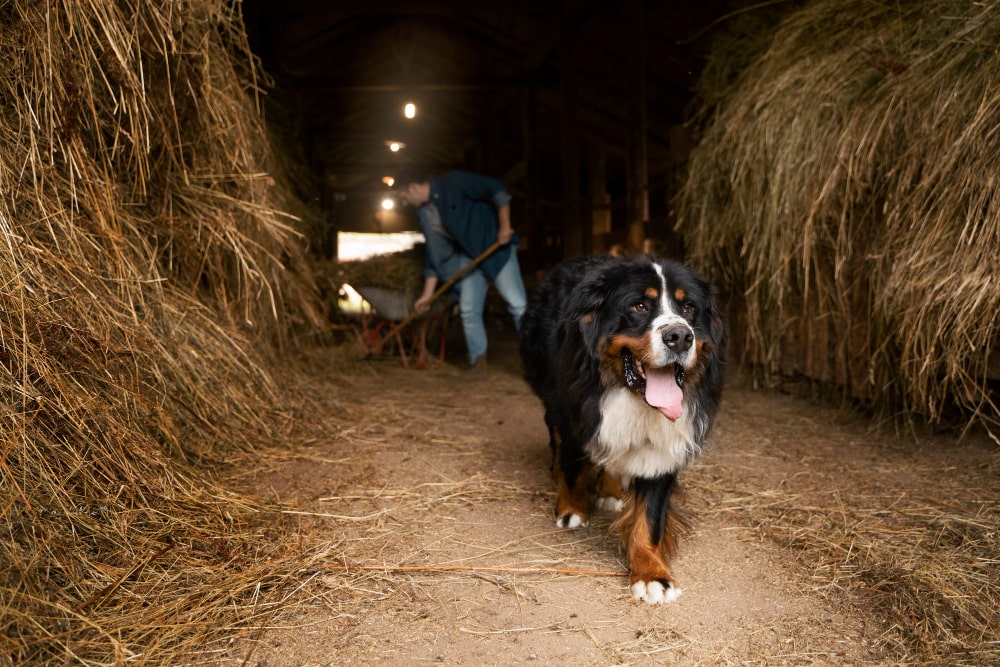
(586, 309)
(716, 323)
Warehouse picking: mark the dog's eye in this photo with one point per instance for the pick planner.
(689, 308)
(640, 307)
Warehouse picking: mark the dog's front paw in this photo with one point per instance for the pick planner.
(655, 592)
(572, 520)
(609, 504)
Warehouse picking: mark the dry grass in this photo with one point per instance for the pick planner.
(146, 266)
(844, 192)
(927, 567)
(902, 528)
(845, 189)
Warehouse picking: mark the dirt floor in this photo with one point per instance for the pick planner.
(426, 498)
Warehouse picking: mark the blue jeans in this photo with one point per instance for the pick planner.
(472, 298)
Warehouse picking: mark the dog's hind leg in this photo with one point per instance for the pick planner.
(609, 492)
(573, 475)
(553, 444)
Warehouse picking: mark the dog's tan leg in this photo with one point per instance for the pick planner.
(573, 480)
(609, 492)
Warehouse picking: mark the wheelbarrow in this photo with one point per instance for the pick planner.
(390, 308)
(376, 344)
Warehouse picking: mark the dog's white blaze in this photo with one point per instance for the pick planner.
(662, 355)
(635, 440)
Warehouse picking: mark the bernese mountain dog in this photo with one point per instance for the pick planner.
(626, 356)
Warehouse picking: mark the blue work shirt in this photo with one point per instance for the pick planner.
(467, 204)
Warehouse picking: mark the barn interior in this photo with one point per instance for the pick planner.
(581, 108)
(176, 179)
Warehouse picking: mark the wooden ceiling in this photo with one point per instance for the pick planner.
(500, 86)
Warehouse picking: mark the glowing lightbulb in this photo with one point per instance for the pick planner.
(394, 146)
(410, 110)
(387, 204)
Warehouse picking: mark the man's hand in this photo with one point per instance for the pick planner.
(422, 305)
(504, 235)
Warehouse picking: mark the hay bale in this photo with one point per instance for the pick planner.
(845, 189)
(402, 270)
(145, 266)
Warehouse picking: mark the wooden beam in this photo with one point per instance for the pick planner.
(516, 174)
(272, 9)
(532, 231)
(573, 232)
(486, 84)
(637, 185)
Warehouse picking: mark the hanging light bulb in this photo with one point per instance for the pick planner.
(410, 110)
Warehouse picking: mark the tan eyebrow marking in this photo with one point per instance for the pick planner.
(652, 293)
(680, 294)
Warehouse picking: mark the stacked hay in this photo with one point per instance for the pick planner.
(142, 253)
(845, 190)
(402, 270)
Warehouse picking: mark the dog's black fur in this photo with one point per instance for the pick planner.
(602, 341)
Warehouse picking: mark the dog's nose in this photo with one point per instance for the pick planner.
(678, 338)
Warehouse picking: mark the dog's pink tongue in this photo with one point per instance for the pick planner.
(663, 393)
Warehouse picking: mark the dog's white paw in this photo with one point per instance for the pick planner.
(654, 592)
(609, 504)
(571, 521)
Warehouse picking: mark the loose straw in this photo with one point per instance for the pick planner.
(479, 568)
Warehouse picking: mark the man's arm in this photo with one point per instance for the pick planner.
(423, 304)
(505, 231)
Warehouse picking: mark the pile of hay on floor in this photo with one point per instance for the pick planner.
(145, 269)
(845, 194)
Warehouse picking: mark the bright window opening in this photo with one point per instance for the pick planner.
(353, 246)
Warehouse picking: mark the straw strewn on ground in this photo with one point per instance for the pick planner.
(845, 191)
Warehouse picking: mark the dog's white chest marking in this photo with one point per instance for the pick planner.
(635, 440)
